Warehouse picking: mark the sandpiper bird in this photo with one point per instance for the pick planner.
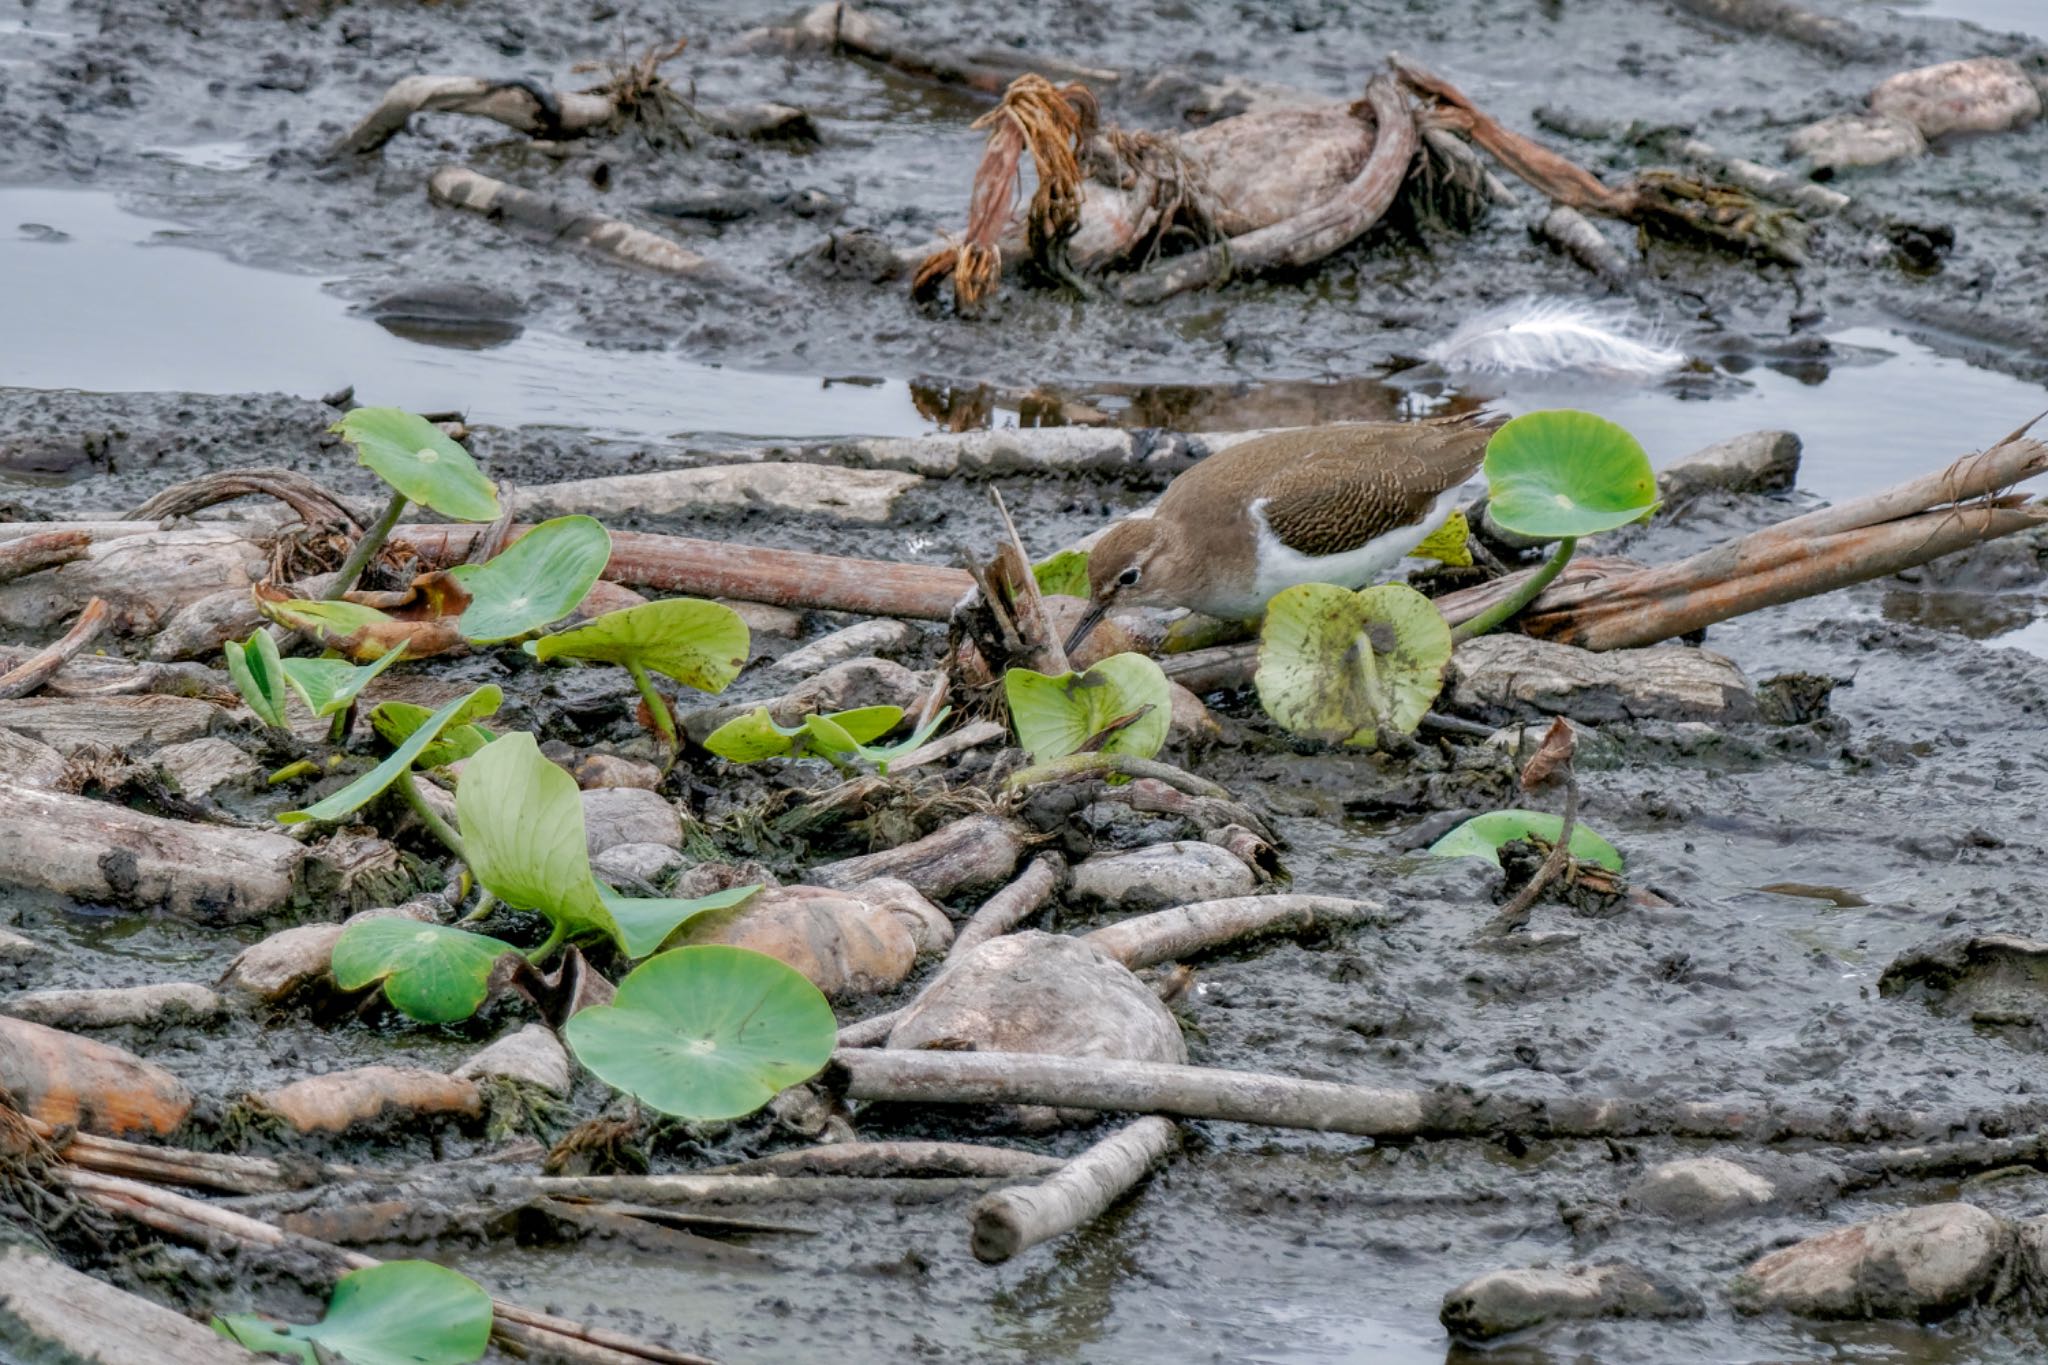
(1332, 504)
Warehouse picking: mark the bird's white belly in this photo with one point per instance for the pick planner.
(1280, 567)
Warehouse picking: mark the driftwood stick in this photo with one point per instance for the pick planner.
(1311, 235)
(518, 104)
(313, 503)
(39, 550)
(204, 1224)
(899, 1159)
(709, 568)
(1186, 930)
(1386, 1115)
(1101, 766)
(1574, 234)
(458, 187)
(1011, 906)
(837, 27)
(872, 1031)
(31, 675)
(1782, 19)
(1006, 1222)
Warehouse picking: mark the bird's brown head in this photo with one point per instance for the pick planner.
(1136, 564)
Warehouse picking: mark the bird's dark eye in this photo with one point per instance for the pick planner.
(1128, 578)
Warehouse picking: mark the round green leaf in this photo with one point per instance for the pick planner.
(482, 702)
(1064, 575)
(1057, 716)
(416, 457)
(329, 685)
(536, 581)
(397, 1313)
(1566, 473)
(1334, 664)
(701, 644)
(431, 972)
(258, 674)
(707, 1032)
(1482, 836)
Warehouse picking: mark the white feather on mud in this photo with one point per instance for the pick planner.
(1545, 336)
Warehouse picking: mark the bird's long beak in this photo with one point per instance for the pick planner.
(1089, 620)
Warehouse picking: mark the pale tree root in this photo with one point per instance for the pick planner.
(30, 675)
(458, 187)
(1387, 1115)
(1012, 905)
(39, 550)
(1007, 1222)
(1186, 930)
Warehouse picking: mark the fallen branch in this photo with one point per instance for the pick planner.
(1007, 1222)
(1009, 907)
(889, 1074)
(1187, 930)
(314, 504)
(29, 676)
(870, 1160)
(39, 550)
(1782, 19)
(458, 187)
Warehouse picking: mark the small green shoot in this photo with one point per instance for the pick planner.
(430, 972)
(1483, 835)
(1351, 667)
(396, 721)
(258, 675)
(397, 1313)
(706, 1033)
(1123, 704)
(838, 737)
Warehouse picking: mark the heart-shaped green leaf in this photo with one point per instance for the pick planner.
(1566, 473)
(416, 457)
(1482, 836)
(482, 702)
(330, 685)
(707, 1032)
(701, 644)
(1064, 575)
(521, 819)
(397, 1313)
(431, 972)
(645, 922)
(535, 581)
(258, 675)
(1057, 716)
(397, 720)
(1335, 665)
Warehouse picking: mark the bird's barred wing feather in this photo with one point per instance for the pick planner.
(1337, 497)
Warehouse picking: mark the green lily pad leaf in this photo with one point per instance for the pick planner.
(701, 644)
(521, 819)
(330, 685)
(1064, 575)
(430, 972)
(482, 702)
(707, 1032)
(645, 922)
(1482, 836)
(1566, 473)
(536, 581)
(258, 674)
(1336, 665)
(1056, 716)
(396, 721)
(416, 457)
(397, 1313)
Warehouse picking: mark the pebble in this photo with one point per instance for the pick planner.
(532, 1055)
(1919, 1264)
(1504, 1301)
(1698, 1189)
(1158, 876)
(629, 815)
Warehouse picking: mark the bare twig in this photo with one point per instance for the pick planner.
(21, 681)
(1007, 1222)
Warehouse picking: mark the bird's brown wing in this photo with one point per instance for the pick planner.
(1348, 485)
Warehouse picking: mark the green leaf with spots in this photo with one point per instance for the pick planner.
(1563, 473)
(707, 1033)
(416, 457)
(397, 1313)
(430, 972)
(1057, 716)
(1483, 835)
(1338, 665)
(534, 582)
(700, 644)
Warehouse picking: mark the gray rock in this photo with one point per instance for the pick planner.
(16, 950)
(1979, 95)
(532, 1055)
(1698, 1189)
(200, 767)
(1860, 139)
(169, 1002)
(1504, 1301)
(1919, 1264)
(865, 638)
(929, 926)
(1159, 875)
(1501, 678)
(290, 960)
(630, 863)
(629, 815)
(1997, 981)
(593, 771)
(1757, 462)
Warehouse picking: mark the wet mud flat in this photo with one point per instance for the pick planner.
(1905, 812)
